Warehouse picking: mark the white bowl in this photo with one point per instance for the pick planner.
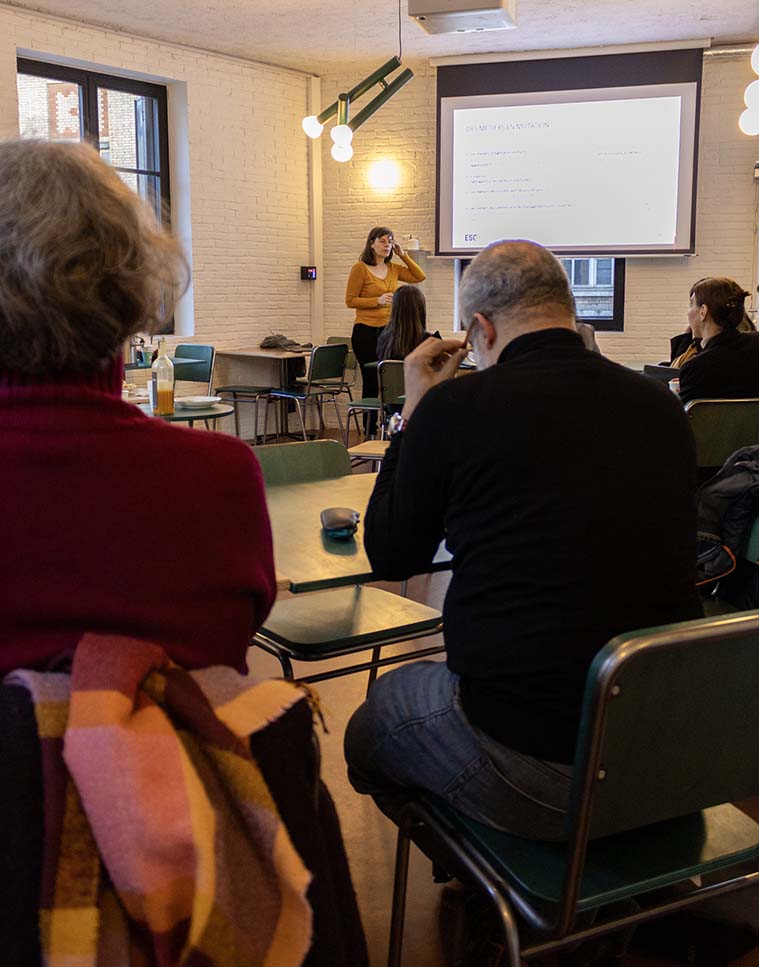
(197, 402)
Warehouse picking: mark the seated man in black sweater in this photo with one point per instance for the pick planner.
(563, 485)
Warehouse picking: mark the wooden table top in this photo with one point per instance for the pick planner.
(258, 353)
(302, 551)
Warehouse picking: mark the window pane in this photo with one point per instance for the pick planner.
(128, 129)
(146, 186)
(582, 272)
(604, 268)
(49, 109)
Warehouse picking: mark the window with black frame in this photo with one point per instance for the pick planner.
(598, 285)
(125, 119)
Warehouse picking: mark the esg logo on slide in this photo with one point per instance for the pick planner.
(470, 238)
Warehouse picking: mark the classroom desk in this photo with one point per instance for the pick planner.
(279, 355)
(303, 554)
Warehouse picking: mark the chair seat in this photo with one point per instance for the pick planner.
(366, 403)
(343, 620)
(299, 392)
(244, 388)
(620, 866)
(369, 450)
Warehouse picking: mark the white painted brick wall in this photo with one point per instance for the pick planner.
(657, 289)
(248, 170)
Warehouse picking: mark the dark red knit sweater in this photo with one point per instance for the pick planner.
(114, 521)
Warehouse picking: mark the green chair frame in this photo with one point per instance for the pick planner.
(721, 427)
(202, 372)
(325, 379)
(666, 743)
(298, 462)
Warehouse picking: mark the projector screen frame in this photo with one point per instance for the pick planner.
(567, 74)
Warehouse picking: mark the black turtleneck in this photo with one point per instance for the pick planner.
(563, 485)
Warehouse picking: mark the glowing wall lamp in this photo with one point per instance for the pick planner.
(384, 175)
(748, 122)
(342, 133)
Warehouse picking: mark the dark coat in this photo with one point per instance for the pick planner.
(726, 368)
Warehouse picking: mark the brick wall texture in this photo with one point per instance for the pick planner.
(249, 187)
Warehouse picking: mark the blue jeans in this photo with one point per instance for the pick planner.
(412, 733)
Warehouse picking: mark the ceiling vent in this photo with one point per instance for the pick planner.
(463, 16)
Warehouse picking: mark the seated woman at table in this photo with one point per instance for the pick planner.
(727, 364)
(407, 326)
(114, 522)
(684, 346)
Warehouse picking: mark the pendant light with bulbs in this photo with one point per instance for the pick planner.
(748, 122)
(342, 132)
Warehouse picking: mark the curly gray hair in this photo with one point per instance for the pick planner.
(83, 261)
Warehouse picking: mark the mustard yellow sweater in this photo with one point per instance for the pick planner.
(364, 288)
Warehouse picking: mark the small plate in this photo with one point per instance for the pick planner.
(197, 402)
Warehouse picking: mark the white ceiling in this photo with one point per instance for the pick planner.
(335, 34)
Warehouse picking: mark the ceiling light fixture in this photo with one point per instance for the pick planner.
(748, 122)
(342, 133)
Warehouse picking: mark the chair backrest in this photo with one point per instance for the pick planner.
(200, 372)
(391, 383)
(284, 463)
(328, 362)
(351, 364)
(661, 373)
(669, 724)
(721, 427)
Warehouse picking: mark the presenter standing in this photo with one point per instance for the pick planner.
(371, 284)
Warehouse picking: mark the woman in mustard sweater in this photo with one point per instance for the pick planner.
(371, 284)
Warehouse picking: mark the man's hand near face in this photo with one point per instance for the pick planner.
(432, 362)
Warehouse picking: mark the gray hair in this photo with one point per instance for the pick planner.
(511, 277)
(83, 261)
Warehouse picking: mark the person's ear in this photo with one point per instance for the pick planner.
(488, 329)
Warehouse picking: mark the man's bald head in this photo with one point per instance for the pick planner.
(516, 280)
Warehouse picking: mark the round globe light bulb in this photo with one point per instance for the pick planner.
(342, 152)
(751, 95)
(755, 59)
(343, 134)
(748, 122)
(311, 126)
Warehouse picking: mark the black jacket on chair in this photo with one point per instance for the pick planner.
(726, 368)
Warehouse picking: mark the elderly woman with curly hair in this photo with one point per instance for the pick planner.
(84, 265)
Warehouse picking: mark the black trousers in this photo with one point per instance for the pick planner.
(364, 341)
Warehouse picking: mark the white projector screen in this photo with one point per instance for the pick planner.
(598, 171)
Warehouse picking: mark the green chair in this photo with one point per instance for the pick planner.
(391, 388)
(202, 371)
(721, 427)
(288, 463)
(326, 375)
(342, 621)
(351, 367)
(667, 740)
